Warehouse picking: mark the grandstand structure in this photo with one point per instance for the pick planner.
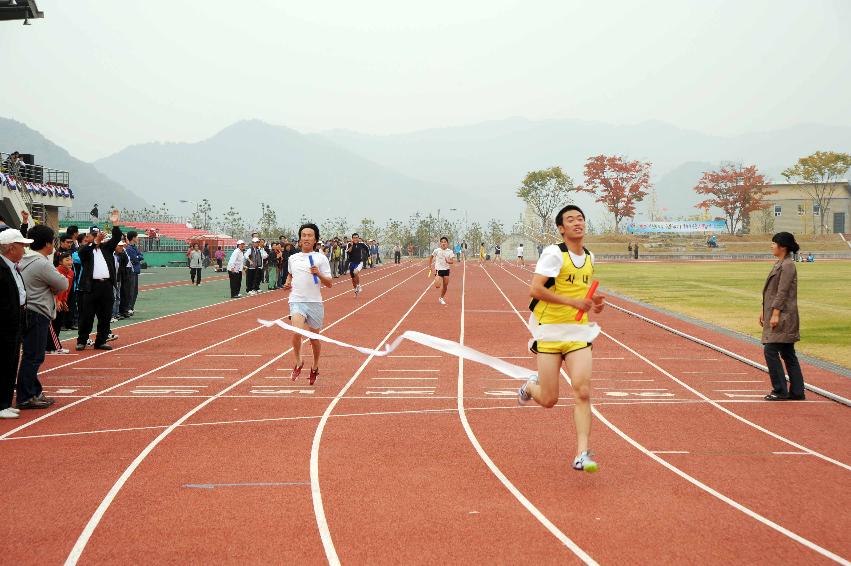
(39, 190)
(17, 10)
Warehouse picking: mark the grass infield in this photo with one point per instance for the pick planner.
(730, 295)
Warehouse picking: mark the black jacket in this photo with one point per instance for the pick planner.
(9, 301)
(87, 260)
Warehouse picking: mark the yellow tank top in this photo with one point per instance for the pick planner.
(572, 281)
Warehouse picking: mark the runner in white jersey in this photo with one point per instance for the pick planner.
(439, 262)
(307, 270)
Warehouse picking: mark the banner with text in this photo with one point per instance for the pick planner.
(677, 227)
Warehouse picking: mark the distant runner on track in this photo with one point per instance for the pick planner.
(358, 254)
(306, 271)
(562, 277)
(439, 263)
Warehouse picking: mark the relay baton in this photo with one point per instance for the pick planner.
(589, 295)
(315, 278)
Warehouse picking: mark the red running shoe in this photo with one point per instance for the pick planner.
(314, 373)
(297, 371)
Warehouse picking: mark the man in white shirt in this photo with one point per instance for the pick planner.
(520, 254)
(306, 271)
(235, 264)
(13, 314)
(439, 262)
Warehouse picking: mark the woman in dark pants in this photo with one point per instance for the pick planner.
(779, 321)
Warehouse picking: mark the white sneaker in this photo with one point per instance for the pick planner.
(60, 351)
(15, 410)
(113, 320)
(523, 395)
(359, 289)
(110, 337)
(131, 311)
(90, 342)
(441, 301)
(9, 414)
(585, 463)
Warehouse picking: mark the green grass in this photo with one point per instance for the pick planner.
(730, 294)
(168, 300)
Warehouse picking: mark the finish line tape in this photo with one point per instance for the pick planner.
(579, 333)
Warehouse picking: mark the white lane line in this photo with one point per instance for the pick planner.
(694, 481)
(413, 370)
(210, 369)
(404, 378)
(96, 517)
(110, 368)
(670, 451)
(401, 387)
(536, 513)
(632, 389)
(728, 411)
(190, 377)
(117, 350)
(490, 310)
(233, 355)
(617, 372)
(315, 489)
(161, 386)
(792, 453)
(739, 390)
(168, 364)
(716, 372)
(693, 359)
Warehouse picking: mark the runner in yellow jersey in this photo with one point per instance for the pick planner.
(562, 277)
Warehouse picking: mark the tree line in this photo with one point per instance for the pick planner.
(738, 190)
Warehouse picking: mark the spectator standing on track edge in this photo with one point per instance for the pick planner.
(196, 263)
(439, 265)
(562, 277)
(13, 312)
(43, 283)
(520, 254)
(305, 300)
(235, 265)
(136, 259)
(780, 322)
(95, 285)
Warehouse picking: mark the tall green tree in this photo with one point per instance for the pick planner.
(546, 191)
(817, 174)
(474, 236)
(268, 227)
(368, 229)
(496, 232)
(233, 224)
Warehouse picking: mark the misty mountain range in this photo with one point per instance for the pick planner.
(474, 168)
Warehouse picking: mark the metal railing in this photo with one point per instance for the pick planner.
(33, 173)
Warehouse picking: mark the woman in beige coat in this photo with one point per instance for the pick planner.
(779, 321)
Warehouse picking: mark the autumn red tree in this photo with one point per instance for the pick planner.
(617, 183)
(735, 189)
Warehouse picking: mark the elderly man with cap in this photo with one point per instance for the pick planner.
(43, 282)
(13, 299)
(256, 256)
(95, 287)
(235, 265)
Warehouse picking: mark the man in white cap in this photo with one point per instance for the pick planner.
(235, 265)
(13, 299)
(256, 256)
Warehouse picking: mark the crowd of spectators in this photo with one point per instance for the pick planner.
(264, 263)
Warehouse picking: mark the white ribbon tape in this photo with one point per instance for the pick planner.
(563, 332)
(439, 344)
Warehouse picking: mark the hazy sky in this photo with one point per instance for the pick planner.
(95, 76)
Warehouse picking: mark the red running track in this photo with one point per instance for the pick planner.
(198, 447)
